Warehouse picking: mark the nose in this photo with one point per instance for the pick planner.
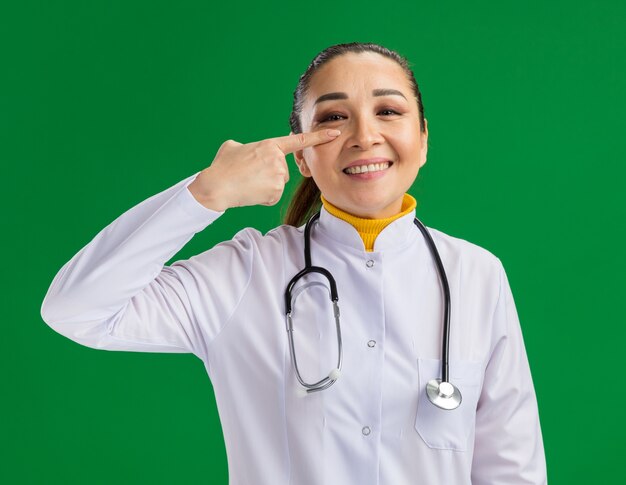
(364, 133)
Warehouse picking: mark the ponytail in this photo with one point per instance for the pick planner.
(304, 203)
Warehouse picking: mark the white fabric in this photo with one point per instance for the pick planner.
(226, 306)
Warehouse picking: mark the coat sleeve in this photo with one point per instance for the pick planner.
(116, 293)
(508, 447)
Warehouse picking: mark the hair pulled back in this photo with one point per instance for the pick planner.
(306, 198)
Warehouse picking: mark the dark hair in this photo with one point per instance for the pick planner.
(306, 198)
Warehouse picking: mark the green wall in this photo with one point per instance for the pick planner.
(105, 103)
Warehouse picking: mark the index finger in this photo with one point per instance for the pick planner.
(298, 141)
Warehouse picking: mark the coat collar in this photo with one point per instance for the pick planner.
(393, 237)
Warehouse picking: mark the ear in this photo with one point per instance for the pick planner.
(424, 149)
(300, 162)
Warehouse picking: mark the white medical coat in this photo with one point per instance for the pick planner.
(375, 425)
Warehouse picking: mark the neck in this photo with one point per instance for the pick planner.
(369, 229)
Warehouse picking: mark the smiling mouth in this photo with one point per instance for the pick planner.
(372, 167)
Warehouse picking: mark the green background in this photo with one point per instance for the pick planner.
(105, 103)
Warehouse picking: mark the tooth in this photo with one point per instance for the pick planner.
(368, 168)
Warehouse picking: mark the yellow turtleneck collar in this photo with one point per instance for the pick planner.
(368, 229)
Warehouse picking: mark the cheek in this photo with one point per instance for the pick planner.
(320, 155)
(406, 141)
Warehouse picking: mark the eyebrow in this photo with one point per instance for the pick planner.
(341, 95)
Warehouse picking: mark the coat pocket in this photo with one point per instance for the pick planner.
(448, 429)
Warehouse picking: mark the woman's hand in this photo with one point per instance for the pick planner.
(252, 173)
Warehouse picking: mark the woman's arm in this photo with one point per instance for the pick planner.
(508, 446)
(116, 293)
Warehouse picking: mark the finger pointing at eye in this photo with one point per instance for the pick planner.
(292, 143)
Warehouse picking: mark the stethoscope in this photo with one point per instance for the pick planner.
(441, 392)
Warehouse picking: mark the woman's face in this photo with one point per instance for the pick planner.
(369, 99)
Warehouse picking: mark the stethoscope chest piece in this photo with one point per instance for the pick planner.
(443, 394)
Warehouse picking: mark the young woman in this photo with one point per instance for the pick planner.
(396, 357)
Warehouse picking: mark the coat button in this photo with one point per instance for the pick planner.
(371, 343)
(366, 430)
(370, 263)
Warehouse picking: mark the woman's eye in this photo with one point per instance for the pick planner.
(393, 111)
(332, 117)
(328, 118)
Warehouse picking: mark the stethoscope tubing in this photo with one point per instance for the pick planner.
(309, 268)
(445, 345)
